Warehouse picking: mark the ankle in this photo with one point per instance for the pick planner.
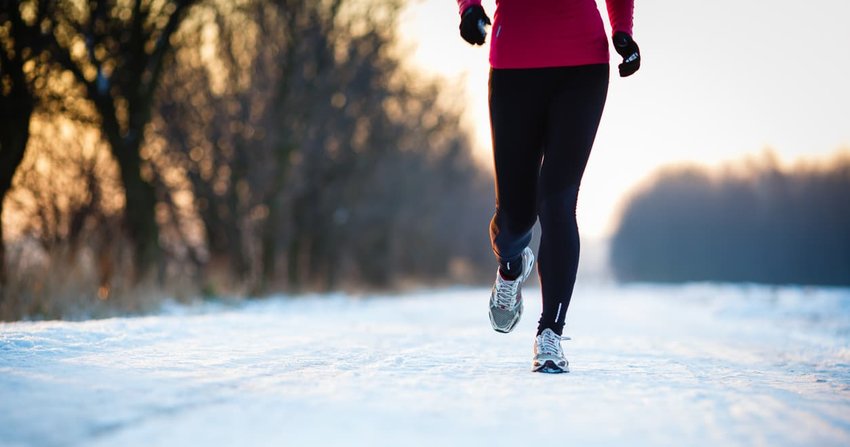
(508, 276)
(511, 269)
(556, 330)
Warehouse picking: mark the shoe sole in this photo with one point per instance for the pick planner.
(549, 367)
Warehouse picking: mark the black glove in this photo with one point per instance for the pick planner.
(472, 23)
(627, 48)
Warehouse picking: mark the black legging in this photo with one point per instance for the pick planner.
(543, 123)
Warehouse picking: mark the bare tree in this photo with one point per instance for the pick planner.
(117, 51)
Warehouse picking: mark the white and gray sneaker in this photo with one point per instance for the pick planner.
(506, 297)
(548, 355)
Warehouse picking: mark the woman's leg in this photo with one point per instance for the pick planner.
(518, 110)
(572, 120)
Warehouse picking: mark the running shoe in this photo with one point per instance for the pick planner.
(548, 355)
(506, 297)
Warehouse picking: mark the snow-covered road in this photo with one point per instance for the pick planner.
(699, 365)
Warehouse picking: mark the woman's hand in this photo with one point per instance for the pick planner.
(472, 25)
(626, 47)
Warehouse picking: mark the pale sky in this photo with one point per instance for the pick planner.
(718, 80)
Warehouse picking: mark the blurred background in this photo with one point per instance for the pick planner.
(240, 148)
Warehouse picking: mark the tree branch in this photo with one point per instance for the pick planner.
(153, 70)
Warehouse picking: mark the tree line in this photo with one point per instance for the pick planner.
(246, 146)
(752, 221)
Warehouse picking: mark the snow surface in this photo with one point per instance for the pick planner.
(697, 365)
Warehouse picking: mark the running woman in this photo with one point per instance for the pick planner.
(547, 89)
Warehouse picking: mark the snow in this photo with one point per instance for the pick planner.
(696, 365)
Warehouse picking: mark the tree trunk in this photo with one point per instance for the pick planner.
(293, 264)
(2, 251)
(15, 113)
(271, 230)
(140, 208)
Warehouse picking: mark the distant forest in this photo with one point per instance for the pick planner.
(751, 221)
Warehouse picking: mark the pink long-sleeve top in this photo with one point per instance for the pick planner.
(552, 33)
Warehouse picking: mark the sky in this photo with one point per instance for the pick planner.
(719, 81)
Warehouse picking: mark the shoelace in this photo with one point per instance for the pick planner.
(550, 343)
(506, 292)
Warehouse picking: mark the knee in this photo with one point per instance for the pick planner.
(559, 206)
